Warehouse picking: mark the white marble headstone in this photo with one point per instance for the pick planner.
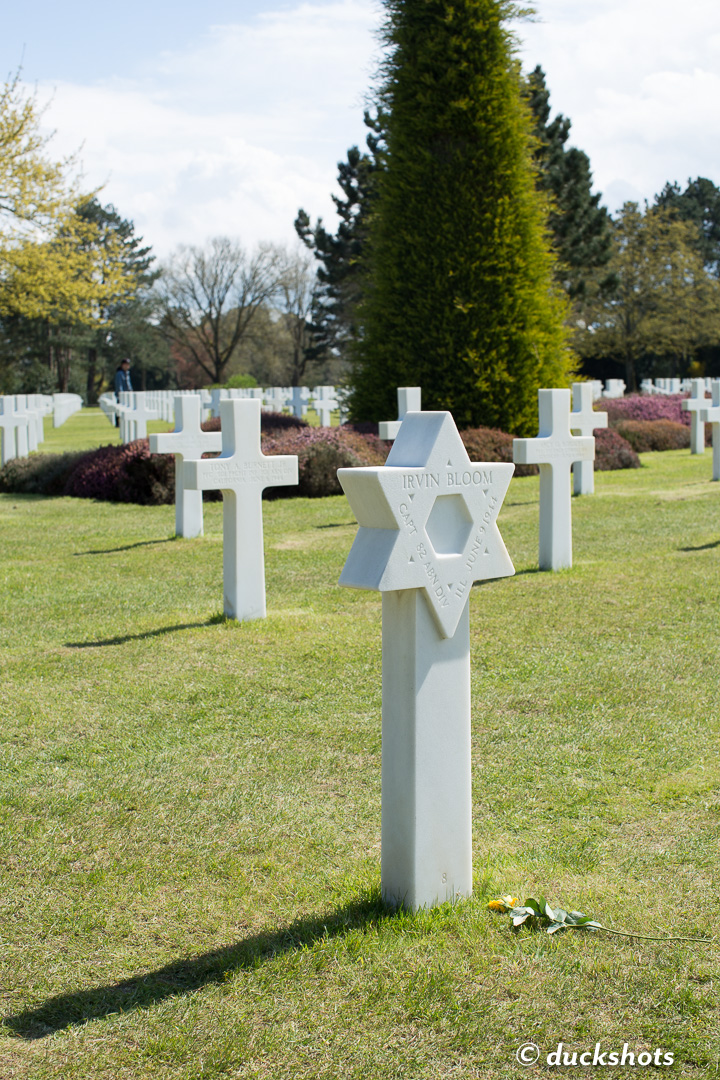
(409, 400)
(242, 472)
(583, 421)
(695, 405)
(554, 450)
(188, 442)
(711, 415)
(428, 530)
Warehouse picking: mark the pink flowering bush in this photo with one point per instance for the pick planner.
(128, 473)
(645, 435)
(612, 451)
(269, 421)
(645, 407)
(492, 444)
(320, 453)
(131, 473)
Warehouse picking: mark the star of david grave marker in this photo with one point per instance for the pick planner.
(583, 420)
(188, 442)
(409, 400)
(554, 450)
(242, 472)
(711, 415)
(428, 530)
(695, 405)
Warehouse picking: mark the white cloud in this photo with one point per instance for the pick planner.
(233, 134)
(639, 81)
(247, 123)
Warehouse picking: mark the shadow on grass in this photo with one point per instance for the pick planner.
(127, 547)
(702, 547)
(337, 525)
(185, 976)
(214, 620)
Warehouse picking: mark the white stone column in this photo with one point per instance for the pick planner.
(426, 778)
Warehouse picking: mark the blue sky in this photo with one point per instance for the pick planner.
(91, 40)
(226, 117)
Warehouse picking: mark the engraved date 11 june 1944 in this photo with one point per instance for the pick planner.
(438, 589)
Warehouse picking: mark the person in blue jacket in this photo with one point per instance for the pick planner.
(122, 378)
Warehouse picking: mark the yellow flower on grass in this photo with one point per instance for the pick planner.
(504, 905)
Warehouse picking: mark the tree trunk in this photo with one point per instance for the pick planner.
(91, 387)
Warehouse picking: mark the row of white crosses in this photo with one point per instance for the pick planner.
(21, 423)
(22, 420)
(136, 407)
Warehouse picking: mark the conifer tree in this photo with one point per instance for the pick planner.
(460, 293)
(580, 226)
(341, 255)
(700, 204)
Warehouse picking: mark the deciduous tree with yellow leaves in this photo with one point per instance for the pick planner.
(56, 264)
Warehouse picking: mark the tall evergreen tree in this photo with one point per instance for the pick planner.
(580, 226)
(460, 296)
(699, 203)
(340, 255)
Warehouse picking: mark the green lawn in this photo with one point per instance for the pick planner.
(191, 807)
(85, 430)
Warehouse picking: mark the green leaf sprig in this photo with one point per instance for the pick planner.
(538, 915)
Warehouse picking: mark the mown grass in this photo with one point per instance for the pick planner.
(85, 430)
(191, 807)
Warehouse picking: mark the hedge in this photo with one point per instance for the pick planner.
(131, 473)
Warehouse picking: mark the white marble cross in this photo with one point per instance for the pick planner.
(554, 450)
(325, 403)
(14, 424)
(614, 388)
(188, 442)
(27, 440)
(298, 401)
(695, 405)
(428, 530)
(140, 415)
(583, 420)
(241, 472)
(409, 400)
(712, 416)
(274, 398)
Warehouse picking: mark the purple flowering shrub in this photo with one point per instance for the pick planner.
(39, 474)
(645, 435)
(269, 421)
(492, 444)
(320, 453)
(645, 407)
(613, 452)
(128, 473)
